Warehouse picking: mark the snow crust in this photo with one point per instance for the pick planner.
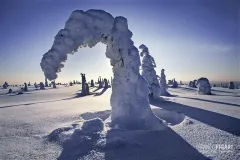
(129, 99)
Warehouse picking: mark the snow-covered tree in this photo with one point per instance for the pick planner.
(29, 84)
(105, 83)
(100, 83)
(46, 82)
(204, 87)
(5, 85)
(83, 84)
(231, 85)
(175, 84)
(92, 83)
(42, 85)
(163, 84)
(25, 87)
(129, 99)
(35, 85)
(149, 73)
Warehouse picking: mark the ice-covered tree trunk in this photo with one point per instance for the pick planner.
(129, 99)
(148, 72)
(204, 86)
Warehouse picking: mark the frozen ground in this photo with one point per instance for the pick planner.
(208, 127)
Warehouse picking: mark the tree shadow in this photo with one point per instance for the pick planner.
(221, 91)
(96, 89)
(225, 103)
(149, 145)
(100, 93)
(216, 120)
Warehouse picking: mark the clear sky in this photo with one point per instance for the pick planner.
(188, 38)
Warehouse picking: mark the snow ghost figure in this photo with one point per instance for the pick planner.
(46, 82)
(129, 98)
(35, 85)
(42, 85)
(175, 84)
(5, 85)
(204, 86)
(148, 72)
(92, 83)
(231, 85)
(105, 83)
(100, 83)
(83, 84)
(54, 84)
(25, 87)
(163, 84)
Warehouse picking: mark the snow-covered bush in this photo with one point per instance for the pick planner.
(204, 86)
(53, 84)
(5, 85)
(129, 99)
(149, 73)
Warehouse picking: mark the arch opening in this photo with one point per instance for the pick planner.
(129, 99)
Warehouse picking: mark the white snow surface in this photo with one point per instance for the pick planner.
(199, 126)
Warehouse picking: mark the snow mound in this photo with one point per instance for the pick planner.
(91, 115)
(170, 117)
(93, 125)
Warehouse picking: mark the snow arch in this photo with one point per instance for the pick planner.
(129, 99)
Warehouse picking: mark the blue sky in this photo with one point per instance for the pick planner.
(188, 38)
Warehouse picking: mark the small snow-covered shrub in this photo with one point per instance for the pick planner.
(204, 87)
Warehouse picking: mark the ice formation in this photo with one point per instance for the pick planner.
(163, 84)
(148, 72)
(129, 99)
(204, 86)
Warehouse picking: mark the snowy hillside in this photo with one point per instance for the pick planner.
(199, 126)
